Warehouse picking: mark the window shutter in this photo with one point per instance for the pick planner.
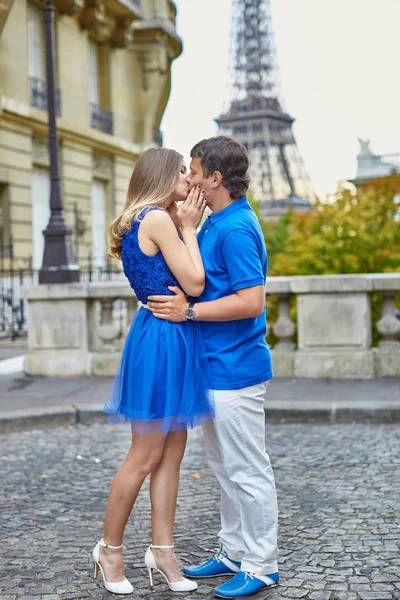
(40, 212)
(93, 73)
(35, 42)
(98, 224)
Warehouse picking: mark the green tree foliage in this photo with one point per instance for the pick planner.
(276, 233)
(358, 233)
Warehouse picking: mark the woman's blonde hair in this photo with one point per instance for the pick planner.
(153, 180)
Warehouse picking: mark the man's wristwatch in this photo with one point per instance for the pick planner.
(190, 313)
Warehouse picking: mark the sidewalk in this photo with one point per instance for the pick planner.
(27, 402)
(10, 349)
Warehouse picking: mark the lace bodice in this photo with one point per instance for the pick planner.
(147, 275)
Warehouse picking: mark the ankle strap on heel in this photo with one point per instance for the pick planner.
(161, 547)
(102, 543)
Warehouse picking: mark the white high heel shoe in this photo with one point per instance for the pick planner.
(117, 587)
(184, 585)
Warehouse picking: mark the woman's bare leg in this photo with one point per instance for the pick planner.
(145, 453)
(164, 482)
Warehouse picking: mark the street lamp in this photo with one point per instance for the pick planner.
(59, 262)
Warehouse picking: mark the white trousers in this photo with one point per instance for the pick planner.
(234, 444)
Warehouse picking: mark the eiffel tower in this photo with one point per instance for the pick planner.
(256, 116)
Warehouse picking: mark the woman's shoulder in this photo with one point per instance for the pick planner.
(155, 214)
(157, 221)
(146, 214)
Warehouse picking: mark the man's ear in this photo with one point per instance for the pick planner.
(217, 179)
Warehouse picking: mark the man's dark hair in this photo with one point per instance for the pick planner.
(230, 158)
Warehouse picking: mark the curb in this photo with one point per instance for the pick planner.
(334, 415)
(46, 418)
(18, 420)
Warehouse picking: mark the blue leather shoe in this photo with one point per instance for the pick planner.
(246, 584)
(217, 565)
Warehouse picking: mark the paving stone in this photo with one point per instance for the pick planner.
(376, 596)
(88, 586)
(293, 582)
(335, 518)
(340, 587)
(339, 572)
(316, 585)
(335, 579)
(382, 586)
(326, 563)
(359, 580)
(384, 578)
(295, 593)
(41, 590)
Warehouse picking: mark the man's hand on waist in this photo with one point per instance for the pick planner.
(169, 308)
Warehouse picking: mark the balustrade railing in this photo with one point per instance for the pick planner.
(334, 326)
(13, 313)
(38, 95)
(102, 119)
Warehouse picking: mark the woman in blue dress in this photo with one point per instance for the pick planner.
(161, 386)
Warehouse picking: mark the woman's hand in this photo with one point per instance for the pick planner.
(191, 211)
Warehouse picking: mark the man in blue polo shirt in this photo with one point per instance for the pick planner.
(232, 315)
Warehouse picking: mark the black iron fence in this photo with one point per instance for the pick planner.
(12, 307)
(13, 324)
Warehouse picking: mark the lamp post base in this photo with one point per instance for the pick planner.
(59, 263)
(59, 275)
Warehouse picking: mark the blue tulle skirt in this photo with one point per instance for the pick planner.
(161, 384)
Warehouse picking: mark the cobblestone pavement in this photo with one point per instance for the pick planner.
(339, 495)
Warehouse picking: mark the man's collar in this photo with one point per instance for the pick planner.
(236, 204)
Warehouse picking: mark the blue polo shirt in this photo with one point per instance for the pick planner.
(234, 256)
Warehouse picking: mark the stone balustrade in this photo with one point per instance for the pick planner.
(334, 328)
(79, 329)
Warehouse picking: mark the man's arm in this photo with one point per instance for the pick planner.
(246, 303)
(241, 255)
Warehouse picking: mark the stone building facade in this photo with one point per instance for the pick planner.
(113, 74)
(372, 166)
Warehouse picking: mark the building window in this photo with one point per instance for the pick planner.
(37, 60)
(36, 42)
(5, 233)
(40, 212)
(101, 117)
(98, 219)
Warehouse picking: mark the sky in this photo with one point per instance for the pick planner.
(339, 63)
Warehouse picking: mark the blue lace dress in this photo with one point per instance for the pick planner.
(161, 384)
